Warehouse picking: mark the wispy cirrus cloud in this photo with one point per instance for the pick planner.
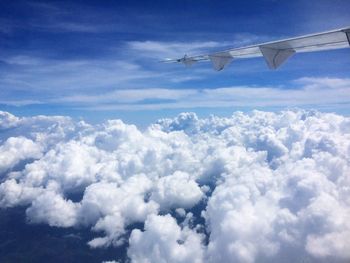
(172, 49)
(132, 96)
(310, 92)
(314, 92)
(80, 27)
(177, 49)
(69, 74)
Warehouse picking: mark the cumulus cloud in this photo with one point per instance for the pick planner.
(257, 187)
(16, 149)
(51, 208)
(164, 241)
(111, 208)
(176, 190)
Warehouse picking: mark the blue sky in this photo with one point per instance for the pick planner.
(97, 61)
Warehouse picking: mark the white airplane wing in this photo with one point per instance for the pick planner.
(276, 52)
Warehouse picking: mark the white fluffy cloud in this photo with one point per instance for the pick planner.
(50, 207)
(111, 207)
(164, 241)
(16, 149)
(254, 187)
(176, 190)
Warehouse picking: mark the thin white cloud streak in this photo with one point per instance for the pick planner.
(32, 75)
(318, 92)
(171, 49)
(71, 75)
(76, 27)
(19, 103)
(131, 95)
(56, 17)
(166, 49)
(311, 92)
(307, 91)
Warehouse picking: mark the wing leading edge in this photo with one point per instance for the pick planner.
(275, 53)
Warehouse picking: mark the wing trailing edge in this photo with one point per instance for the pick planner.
(275, 53)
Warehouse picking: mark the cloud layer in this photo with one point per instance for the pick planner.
(258, 187)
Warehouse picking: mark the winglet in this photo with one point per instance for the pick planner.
(275, 57)
(220, 60)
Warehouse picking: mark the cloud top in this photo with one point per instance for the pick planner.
(257, 187)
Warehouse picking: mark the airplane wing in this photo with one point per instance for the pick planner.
(275, 53)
